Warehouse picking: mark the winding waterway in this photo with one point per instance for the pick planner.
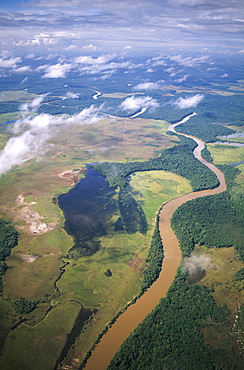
(135, 314)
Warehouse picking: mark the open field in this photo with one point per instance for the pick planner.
(45, 339)
(226, 154)
(34, 265)
(219, 278)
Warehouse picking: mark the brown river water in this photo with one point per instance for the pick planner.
(135, 314)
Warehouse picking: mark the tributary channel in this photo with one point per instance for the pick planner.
(135, 314)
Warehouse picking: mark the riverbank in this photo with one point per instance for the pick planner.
(129, 320)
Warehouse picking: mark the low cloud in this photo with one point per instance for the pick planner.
(195, 263)
(42, 39)
(57, 70)
(71, 95)
(9, 63)
(34, 105)
(90, 47)
(133, 103)
(148, 86)
(71, 48)
(190, 102)
(182, 79)
(189, 61)
(31, 134)
(87, 59)
(23, 69)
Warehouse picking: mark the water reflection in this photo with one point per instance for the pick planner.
(93, 209)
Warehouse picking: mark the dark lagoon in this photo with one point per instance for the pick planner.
(93, 209)
(88, 208)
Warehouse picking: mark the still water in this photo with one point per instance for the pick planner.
(134, 315)
(93, 209)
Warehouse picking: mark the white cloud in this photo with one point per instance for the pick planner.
(182, 79)
(90, 47)
(42, 67)
(195, 263)
(6, 53)
(34, 105)
(33, 132)
(24, 80)
(30, 56)
(23, 69)
(148, 86)
(71, 47)
(102, 64)
(9, 63)
(71, 95)
(189, 61)
(224, 75)
(156, 61)
(102, 59)
(21, 149)
(133, 103)
(190, 102)
(57, 70)
(42, 39)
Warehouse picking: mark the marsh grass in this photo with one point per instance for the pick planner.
(224, 154)
(219, 278)
(84, 279)
(46, 340)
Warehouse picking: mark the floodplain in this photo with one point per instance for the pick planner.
(41, 272)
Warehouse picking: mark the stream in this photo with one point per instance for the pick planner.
(136, 313)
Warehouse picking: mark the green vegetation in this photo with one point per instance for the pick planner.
(154, 259)
(211, 220)
(22, 306)
(239, 275)
(46, 340)
(206, 131)
(123, 257)
(170, 337)
(178, 159)
(8, 240)
(165, 339)
(132, 215)
(205, 153)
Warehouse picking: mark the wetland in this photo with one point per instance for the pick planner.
(105, 281)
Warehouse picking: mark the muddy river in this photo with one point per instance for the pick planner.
(129, 320)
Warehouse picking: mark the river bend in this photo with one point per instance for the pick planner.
(135, 314)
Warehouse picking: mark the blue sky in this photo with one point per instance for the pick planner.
(121, 26)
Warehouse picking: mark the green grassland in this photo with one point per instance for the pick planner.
(224, 263)
(226, 154)
(123, 254)
(34, 265)
(45, 340)
(168, 337)
(18, 95)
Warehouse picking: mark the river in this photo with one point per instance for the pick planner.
(135, 314)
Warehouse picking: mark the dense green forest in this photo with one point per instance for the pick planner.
(208, 132)
(170, 337)
(8, 240)
(211, 220)
(214, 109)
(23, 306)
(154, 259)
(178, 159)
